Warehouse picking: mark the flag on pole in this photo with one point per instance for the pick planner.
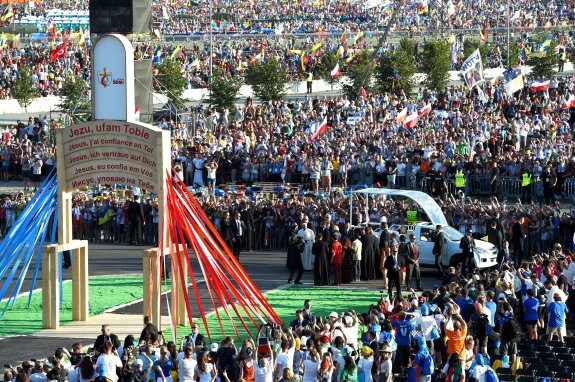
(543, 48)
(340, 51)
(342, 37)
(483, 35)
(302, 57)
(176, 53)
(411, 121)
(539, 86)
(335, 71)
(400, 118)
(59, 52)
(320, 128)
(424, 110)
(82, 39)
(316, 47)
(569, 103)
(7, 13)
(359, 38)
(513, 81)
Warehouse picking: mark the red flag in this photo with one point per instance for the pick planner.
(58, 52)
(539, 86)
(320, 130)
(570, 102)
(401, 116)
(411, 121)
(424, 110)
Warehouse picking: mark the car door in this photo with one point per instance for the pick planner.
(425, 240)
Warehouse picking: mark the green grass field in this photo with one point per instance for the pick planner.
(105, 294)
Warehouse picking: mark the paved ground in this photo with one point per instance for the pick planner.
(266, 268)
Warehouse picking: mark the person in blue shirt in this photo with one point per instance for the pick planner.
(403, 328)
(491, 305)
(557, 311)
(531, 314)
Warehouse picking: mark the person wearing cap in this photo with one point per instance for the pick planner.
(411, 256)
(386, 366)
(365, 363)
(467, 245)
(557, 311)
(139, 374)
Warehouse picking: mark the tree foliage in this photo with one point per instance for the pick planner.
(75, 99)
(513, 55)
(396, 68)
(24, 90)
(470, 45)
(436, 63)
(544, 66)
(170, 81)
(326, 65)
(267, 79)
(224, 91)
(360, 74)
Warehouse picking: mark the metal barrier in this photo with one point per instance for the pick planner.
(478, 185)
(510, 187)
(568, 189)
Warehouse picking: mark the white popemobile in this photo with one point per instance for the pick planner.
(485, 253)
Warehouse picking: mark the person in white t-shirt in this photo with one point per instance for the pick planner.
(107, 363)
(285, 358)
(264, 367)
(187, 365)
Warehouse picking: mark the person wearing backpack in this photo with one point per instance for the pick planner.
(423, 361)
(509, 332)
(479, 323)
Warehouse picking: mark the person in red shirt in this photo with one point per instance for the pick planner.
(336, 260)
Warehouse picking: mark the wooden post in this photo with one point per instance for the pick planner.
(50, 288)
(152, 285)
(80, 302)
(178, 301)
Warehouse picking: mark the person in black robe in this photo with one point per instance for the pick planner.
(347, 263)
(294, 263)
(369, 251)
(321, 268)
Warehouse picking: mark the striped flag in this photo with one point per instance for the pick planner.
(360, 37)
(176, 53)
(411, 121)
(569, 103)
(424, 110)
(401, 116)
(539, 86)
(320, 128)
(483, 35)
(335, 71)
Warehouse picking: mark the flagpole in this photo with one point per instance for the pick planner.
(508, 35)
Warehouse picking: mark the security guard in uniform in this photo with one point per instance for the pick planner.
(411, 216)
(459, 182)
(526, 179)
(309, 81)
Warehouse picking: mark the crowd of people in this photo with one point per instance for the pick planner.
(475, 326)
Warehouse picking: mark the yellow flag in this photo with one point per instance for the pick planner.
(351, 57)
(316, 47)
(82, 40)
(340, 51)
(302, 60)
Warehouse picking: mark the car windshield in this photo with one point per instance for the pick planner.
(451, 233)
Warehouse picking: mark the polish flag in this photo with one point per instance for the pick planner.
(411, 121)
(335, 71)
(570, 102)
(320, 130)
(424, 110)
(401, 116)
(539, 86)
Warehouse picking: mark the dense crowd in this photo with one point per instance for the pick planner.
(478, 326)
